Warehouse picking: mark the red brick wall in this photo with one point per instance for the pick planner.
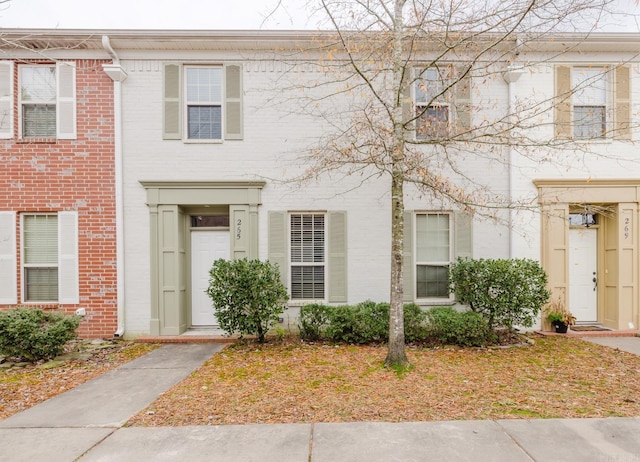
(53, 175)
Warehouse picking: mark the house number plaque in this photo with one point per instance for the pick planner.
(627, 228)
(238, 229)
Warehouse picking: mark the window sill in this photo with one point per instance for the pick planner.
(435, 302)
(36, 140)
(298, 303)
(189, 141)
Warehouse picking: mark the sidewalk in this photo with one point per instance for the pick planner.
(85, 424)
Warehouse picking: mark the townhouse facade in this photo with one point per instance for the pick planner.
(206, 131)
(57, 180)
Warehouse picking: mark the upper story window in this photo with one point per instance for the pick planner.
(38, 101)
(202, 103)
(442, 99)
(592, 102)
(45, 103)
(589, 103)
(432, 107)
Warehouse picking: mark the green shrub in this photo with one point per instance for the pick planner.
(313, 321)
(247, 295)
(464, 328)
(35, 334)
(414, 323)
(506, 292)
(366, 322)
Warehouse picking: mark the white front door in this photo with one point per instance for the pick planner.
(583, 294)
(206, 247)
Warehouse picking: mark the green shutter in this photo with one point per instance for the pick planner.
(622, 121)
(463, 235)
(8, 274)
(337, 242)
(66, 101)
(462, 100)
(68, 280)
(6, 99)
(278, 243)
(407, 260)
(233, 102)
(171, 110)
(562, 107)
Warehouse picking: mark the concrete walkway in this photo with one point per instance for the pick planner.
(85, 424)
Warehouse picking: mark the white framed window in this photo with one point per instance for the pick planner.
(433, 112)
(307, 250)
(589, 102)
(433, 254)
(46, 101)
(37, 101)
(40, 257)
(49, 257)
(202, 103)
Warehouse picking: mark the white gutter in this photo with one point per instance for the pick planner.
(118, 75)
(511, 76)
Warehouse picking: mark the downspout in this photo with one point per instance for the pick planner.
(118, 75)
(511, 76)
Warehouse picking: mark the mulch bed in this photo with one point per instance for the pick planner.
(292, 381)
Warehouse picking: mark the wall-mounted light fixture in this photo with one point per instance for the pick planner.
(588, 217)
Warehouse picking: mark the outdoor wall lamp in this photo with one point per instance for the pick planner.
(588, 217)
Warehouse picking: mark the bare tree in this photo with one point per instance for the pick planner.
(401, 72)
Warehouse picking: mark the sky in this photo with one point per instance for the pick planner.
(186, 14)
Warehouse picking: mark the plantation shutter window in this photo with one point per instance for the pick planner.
(307, 256)
(8, 274)
(6, 99)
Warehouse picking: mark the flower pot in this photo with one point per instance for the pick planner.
(560, 327)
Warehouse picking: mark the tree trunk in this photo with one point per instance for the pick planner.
(396, 355)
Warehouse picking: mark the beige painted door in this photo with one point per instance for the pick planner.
(206, 247)
(583, 293)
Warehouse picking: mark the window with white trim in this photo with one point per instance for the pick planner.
(307, 250)
(40, 258)
(202, 102)
(433, 255)
(38, 101)
(589, 103)
(47, 101)
(432, 108)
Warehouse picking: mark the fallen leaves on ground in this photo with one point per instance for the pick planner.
(292, 381)
(22, 388)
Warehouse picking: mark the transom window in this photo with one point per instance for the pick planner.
(38, 101)
(307, 247)
(589, 103)
(40, 257)
(432, 108)
(204, 103)
(433, 254)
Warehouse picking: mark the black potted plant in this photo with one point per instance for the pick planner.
(559, 316)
